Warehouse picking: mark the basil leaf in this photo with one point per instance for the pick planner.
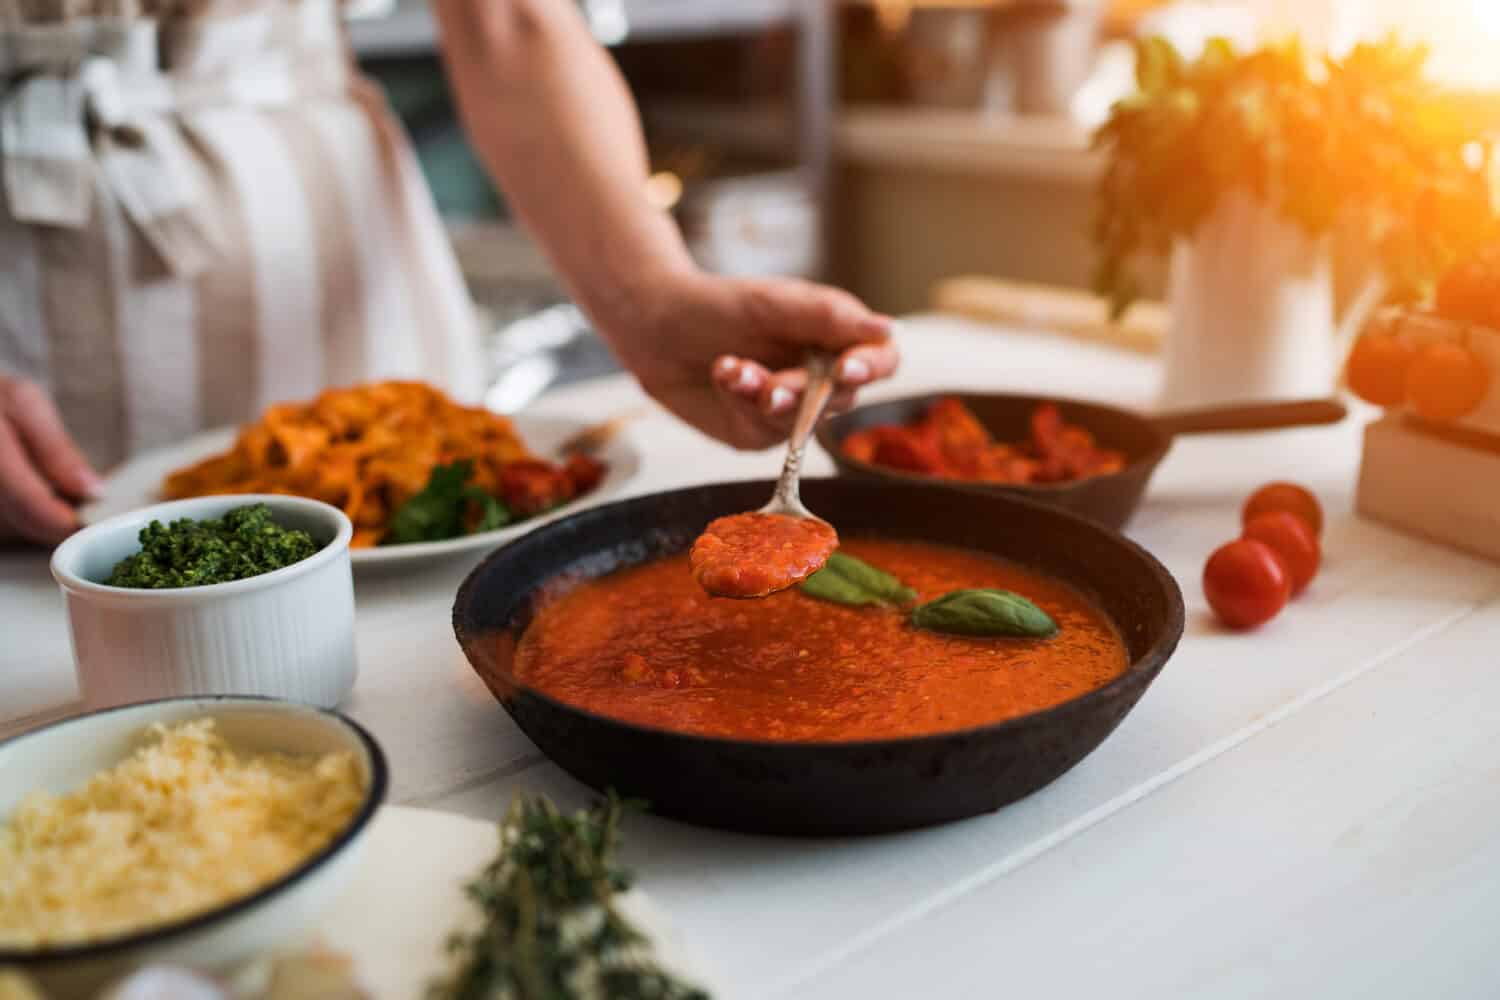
(847, 580)
(435, 513)
(494, 514)
(438, 512)
(991, 613)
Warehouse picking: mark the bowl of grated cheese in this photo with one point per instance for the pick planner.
(197, 831)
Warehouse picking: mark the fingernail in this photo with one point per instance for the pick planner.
(880, 325)
(93, 486)
(726, 366)
(749, 379)
(781, 399)
(854, 370)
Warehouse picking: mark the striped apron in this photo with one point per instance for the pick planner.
(204, 209)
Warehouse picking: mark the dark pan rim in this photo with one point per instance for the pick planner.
(830, 440)
(1142, 669)
(161, 933)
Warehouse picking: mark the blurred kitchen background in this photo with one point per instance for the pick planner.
(883, 145)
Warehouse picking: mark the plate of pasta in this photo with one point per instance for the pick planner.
(418, 474)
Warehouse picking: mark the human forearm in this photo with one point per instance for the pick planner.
(554, 124)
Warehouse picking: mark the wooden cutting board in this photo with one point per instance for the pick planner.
(1066, 311)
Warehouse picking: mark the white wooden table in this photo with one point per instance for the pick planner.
(1313, 810)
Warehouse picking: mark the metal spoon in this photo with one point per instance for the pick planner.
(787, 500)
(754, 555)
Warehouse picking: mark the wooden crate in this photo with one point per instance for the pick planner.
(1443, 485)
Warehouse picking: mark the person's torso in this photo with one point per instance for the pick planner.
(207, 211)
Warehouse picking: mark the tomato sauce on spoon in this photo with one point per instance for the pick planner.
(759, 553)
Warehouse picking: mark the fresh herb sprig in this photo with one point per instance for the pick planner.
(1364, 145)
(551, 929)
(441, 510)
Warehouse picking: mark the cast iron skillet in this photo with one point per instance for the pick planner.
(821, 788)
(1111, 499)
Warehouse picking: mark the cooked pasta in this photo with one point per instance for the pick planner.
(369, 449)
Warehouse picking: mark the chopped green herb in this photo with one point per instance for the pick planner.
(551, 930)
(245, 542)
(441, 510)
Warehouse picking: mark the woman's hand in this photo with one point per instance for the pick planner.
(41, 469)
(724, 354)
(552, 118)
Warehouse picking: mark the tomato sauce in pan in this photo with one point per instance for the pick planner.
(647, 645)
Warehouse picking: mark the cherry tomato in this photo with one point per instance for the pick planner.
(1470, 291)
(1246, 584)
(1377, 369)
(1288, 497)
(1287, 535)
(1446, 382)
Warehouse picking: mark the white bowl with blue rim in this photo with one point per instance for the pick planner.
(62, 757)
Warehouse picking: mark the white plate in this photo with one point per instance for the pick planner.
(137, 484)
(408, 897)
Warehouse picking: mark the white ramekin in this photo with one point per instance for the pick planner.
(286, 634)
(63, 756)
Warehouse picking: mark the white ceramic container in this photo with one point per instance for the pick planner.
(285, 634)
(1050, 48)
(1253, 313)
(62, 756)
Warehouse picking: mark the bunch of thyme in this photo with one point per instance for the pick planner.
(551, 930)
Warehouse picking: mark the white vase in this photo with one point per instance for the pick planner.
(1252, 311)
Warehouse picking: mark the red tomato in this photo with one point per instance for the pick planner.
(1288, 497)
(1292, 540)
(1446, 382)
(1470, 291)
(1377, 369)
(1246, 584)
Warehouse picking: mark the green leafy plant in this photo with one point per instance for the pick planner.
(1365, 145)
(441, 510)
(551, 929)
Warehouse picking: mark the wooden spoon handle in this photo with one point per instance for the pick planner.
(1252, 417)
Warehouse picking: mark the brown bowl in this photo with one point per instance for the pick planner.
(1110, 499)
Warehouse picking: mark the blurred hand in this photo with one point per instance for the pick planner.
(725, 354)
(42, 472)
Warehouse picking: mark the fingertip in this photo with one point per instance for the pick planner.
(83, 483)
(780, 400)
(861, 366)
(877, 326)
(739, 378)
(750, 381)
(854, 371)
